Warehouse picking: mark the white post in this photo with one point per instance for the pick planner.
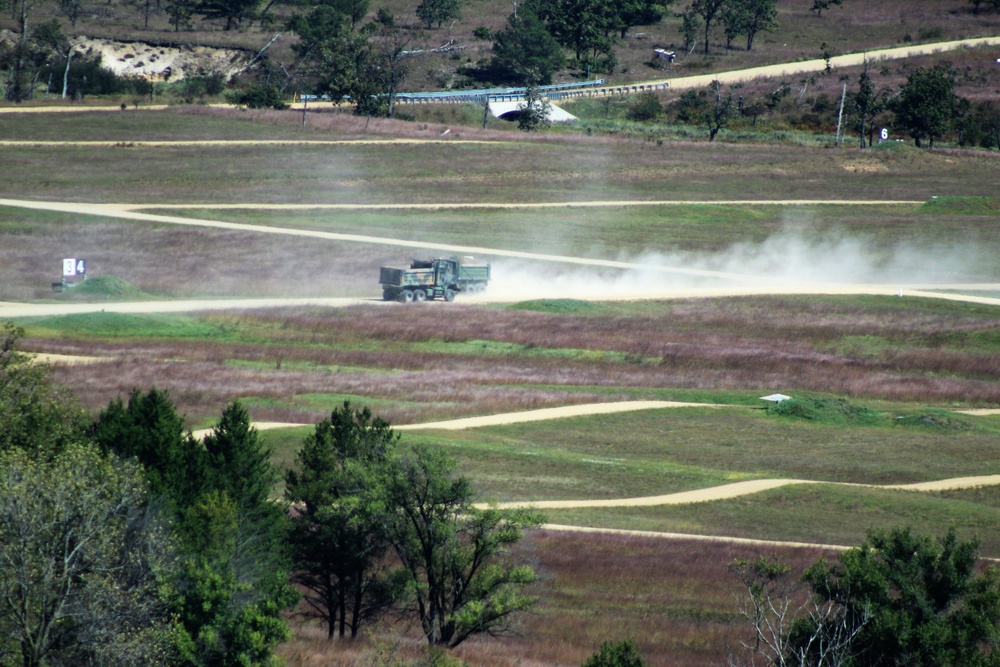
(840, 117)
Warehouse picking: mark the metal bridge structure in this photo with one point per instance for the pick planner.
(554, 93)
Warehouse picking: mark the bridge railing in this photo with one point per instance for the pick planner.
(495, 94)
(555, 92)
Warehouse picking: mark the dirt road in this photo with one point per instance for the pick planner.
(739, 284)
(819, 64)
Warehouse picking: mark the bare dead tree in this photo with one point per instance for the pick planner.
(774, 606)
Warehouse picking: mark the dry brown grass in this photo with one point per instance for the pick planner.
(676, 599)
(906, 353)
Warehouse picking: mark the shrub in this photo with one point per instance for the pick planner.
(828, 411)
(616, 654)
(258, 97)
(647, 106)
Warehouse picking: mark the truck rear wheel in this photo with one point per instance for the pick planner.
(419, 295)
(406, 296)
(449, 294)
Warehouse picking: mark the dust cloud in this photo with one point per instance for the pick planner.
(791, 260)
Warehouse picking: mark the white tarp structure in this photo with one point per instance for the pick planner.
(556, 115)
(775, 398)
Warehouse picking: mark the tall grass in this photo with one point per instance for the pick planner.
(928, 355)
(674, 598)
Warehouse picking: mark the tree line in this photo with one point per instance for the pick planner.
(926, 108)
(125, 541)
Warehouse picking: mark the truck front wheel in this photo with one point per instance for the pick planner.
(449, 294)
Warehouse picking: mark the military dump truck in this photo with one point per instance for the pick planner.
(434, 279)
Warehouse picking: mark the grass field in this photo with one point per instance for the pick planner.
(882, 373)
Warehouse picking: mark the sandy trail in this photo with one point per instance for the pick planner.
(692, 537)
(737, 489)
(67, 359)
(260, 426)
(553, 413)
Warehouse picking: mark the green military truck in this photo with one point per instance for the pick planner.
(434, 279)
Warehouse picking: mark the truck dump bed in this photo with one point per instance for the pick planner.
(405, 277)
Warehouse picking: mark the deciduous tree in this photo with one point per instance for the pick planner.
(690, 25)
(35, 413)
(80, 556)
(749, 17)
(708, 10)
(926, 103)
(819, 5)
(584, 26)
(534, 110)
(439, 11)
(979, 125)
(455, 556)
(720, 110)
(233, 11)
(626, 14)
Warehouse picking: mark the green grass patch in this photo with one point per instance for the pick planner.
(104, 288)
(951, 205)
(826, 514)
(491, 348)
(729, 443)
(124, 325)
(749, 399)
(573, 306)
(508, 468)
